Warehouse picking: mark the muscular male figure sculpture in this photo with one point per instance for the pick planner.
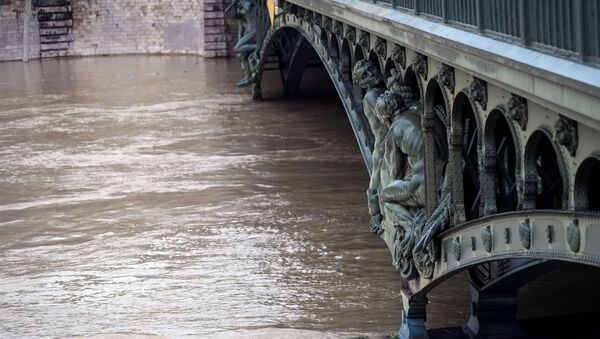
(402, 176)
(366, 75)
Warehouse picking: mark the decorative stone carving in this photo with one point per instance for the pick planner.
(363, 39)
(402, 197)
(327, 23)
(478, 92)
(399, 57)
(420, 65)
(338, 28)
(380, 47)
(507, 235)
(446, 77)
(487, 238)
(367, 76)
(574, 236)
(246, 14)
(550, 233)
(317, 19)
(287, 7)
(350, 34)
(525, 234)
(300, 13)
(517, 108)
(566, 134)
(395, 84)
(308, 16)
(456, 248)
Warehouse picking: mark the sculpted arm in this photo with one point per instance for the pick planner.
(410, 142)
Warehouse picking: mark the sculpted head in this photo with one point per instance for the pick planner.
(366, 74)
(244, 7)
(388, 105)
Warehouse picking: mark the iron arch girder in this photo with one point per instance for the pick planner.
(545, 235)
(559, 244)
(344, 90)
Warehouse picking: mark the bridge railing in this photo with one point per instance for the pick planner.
(568, 28)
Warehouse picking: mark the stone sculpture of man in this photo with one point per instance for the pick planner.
(368, 76)
(402, 176)
(246, 45)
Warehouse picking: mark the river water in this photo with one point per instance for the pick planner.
(149, 196)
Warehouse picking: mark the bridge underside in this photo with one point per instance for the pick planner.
(523, 201)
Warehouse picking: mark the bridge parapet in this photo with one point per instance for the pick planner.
(508, 133)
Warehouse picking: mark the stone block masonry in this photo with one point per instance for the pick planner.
(108, 27)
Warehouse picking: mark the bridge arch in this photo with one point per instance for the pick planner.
(435, 125)
(546, 182)
(587, 184)
(501, 181)
(334, 48)
(413, 81)
(317, 39)
(465, 147)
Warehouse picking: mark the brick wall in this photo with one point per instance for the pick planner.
(12, 14)
(106, 27)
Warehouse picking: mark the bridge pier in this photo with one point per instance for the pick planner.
(493, 314)
(414, 315)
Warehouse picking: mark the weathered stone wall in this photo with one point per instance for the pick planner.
(106, 27)
(12, 17)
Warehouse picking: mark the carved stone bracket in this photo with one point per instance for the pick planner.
(446, 77)
(327, 23)
(350, 34)
(478, 92)
(517, 108)
(287, 7)
(363, 39)
(399, 57)
(308, 16)
(566, 134)
(420, 65)
(338, 28)
(380, 47)
(317, 19)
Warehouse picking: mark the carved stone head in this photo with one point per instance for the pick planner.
(566, 133)
(388, 105)
(366, 74)
(244, 7)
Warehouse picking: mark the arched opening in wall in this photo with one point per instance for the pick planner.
(464, 120)
(389, 65)
(346, 61)
(334, 49)
(375, 60)
(587, 185)
(410, 80)
(436, 144)
(543, 173)
(359, 93)
(503, 165)
(324, 38)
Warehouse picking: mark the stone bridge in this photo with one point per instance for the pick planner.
(508, 98)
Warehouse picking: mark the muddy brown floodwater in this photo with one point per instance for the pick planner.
(149, 196)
